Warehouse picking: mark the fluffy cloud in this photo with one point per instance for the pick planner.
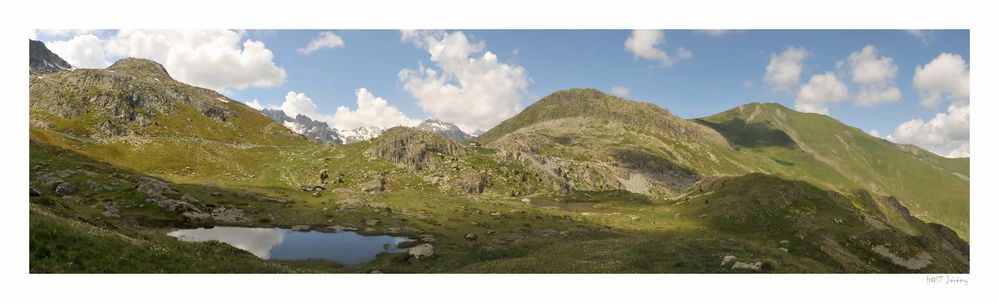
(820, 91)
(875, 75)
(370, 111)
(255, 104)
(874, 132)
(472, 91)
(946, 134)
(324, 40)
(299, 104)
(620, 91)
(647, 44)
(945, 78)
(784, 70)
(216, 59)
(85, 51)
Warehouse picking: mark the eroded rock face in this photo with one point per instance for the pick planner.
(474, 182)
(415, 148)
(920, 261)
(375, 186)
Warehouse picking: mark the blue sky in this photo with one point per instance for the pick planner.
(723, 70)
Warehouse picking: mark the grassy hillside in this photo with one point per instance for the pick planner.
(581, 181)
(822, 150)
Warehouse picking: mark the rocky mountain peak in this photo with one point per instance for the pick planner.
(138, 67)
(443, 128)
(41, 59)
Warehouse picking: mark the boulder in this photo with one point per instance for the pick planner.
(111, 210)
(152, 187)
(371, 222)
(421, 251)
(228, 214)
(323, 175)
(301, 228)
(754, 266)
(34, 192)
(728, 259)
(65, 188)
(471, 237)
(94, 186)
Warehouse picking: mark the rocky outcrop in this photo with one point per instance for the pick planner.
(474, 182)
(374, 186)
(156, 192)
(417, 149)
(123, 99)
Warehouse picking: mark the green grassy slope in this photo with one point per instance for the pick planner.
(824, 151)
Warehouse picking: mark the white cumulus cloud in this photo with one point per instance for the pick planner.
(820, 91)
(215, 59)
(84, 51)
(255, 104)
(648, 44)
(875, 75)
(784, 70)
(299, 104)
(324, 40)
(620, 91)
(945, 78)
(469, 87)
(370, 111)
(947, 134)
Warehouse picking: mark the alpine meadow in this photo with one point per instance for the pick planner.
(497, 151)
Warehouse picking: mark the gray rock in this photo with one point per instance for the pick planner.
(471, 237)
(95, 186)
(422, 251)
(153, 187)
(65, 188)
(371, 222)
(374, 186)
(728, 259)
(229, 214)
(197, 215)
(189, 199)
(754, 266)
(34, 192)
(111, 210)
(301, 228)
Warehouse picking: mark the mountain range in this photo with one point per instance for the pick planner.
(579, 181)
(321, 131)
